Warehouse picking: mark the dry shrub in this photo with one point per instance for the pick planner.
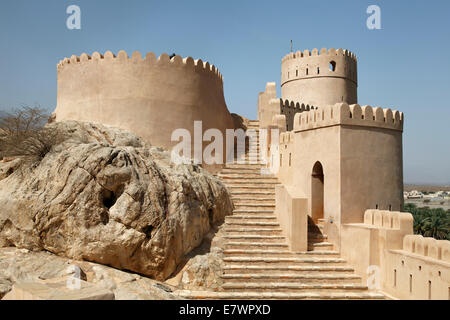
(23, 134)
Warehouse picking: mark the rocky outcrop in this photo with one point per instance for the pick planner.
(202, 268)
(106, 196)
(44, 275)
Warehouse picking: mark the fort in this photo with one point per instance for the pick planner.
(149, 96)
(332, 209)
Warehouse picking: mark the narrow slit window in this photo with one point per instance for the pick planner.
(429, 290)
(395, 278)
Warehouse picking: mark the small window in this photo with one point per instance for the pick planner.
(376, 206)
(290, 165)
(318, 70)
(296, 73)
(307, 71)
(395, 278)
(332, 66)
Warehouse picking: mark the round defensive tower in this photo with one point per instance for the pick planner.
(149, 96)
(319, 78)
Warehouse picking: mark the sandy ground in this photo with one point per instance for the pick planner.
(434, 203)
(427, 188)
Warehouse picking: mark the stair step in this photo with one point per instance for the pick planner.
(250, 187)
(259, 178)
(255, 238)
(239, 171)
(240, 268)
(251, 211)
(283, 261)
(278, 295)
(278, 253)
(245, 166)
(251, 191)
(254, 203)
(255, 245)
(289, 277)
(259, 231)
(253, 200)
(251, 217)
(251, 224)
(294, 287)
(252, 206)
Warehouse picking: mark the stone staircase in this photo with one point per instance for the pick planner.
(257, 261)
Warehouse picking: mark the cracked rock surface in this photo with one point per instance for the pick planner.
(106, 196)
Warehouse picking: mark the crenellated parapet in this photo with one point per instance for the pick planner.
(150, 60)
(290, 109)
(315, 63)
(286, 138)
(427, 247)
(323, 52)
(353, 115)
(395, 220)
(150, 96)
(320, 77)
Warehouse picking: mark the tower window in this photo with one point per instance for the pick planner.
(332, 66)
(296, 73)
(318, 70)
(307, 71)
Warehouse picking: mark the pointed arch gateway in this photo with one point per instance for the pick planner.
(317, 192)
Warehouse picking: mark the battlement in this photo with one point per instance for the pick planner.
(428, 247)
(150, 96)
(287, 137)
(343, 114)
(150, 60)
(320, 78)
(290, 109)
(323, 52)
(388, 219)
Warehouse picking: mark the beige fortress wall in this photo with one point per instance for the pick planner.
(306, 149)
(407, 266)
(420, 270)
(306, 77)
(371, 170)
(148, 96)
(361, 160)
(268, 105)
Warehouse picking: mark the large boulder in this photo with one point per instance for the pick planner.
(106, 196)
(47, 276)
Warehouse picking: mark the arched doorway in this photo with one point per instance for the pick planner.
(317, 199)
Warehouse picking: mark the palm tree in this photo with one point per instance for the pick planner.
(436, 226)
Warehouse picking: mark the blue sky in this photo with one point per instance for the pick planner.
(405, 66)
